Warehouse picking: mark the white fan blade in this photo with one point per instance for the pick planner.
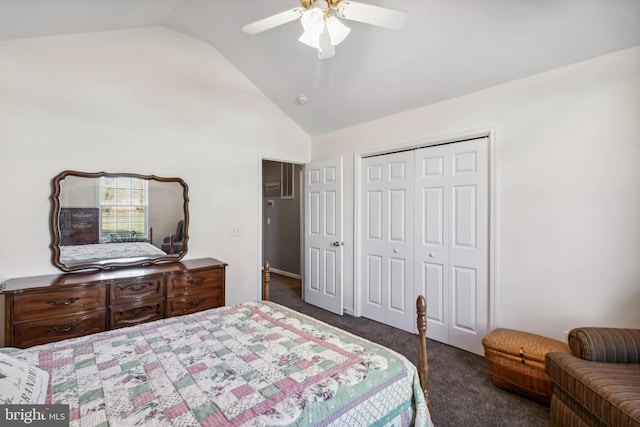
(325, 48)
(373, 15)
(272, 21)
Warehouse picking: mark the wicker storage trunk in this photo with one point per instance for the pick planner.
(516, 362)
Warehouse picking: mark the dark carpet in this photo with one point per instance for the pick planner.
(459, 382)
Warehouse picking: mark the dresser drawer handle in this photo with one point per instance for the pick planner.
(198, 302)
(69, 301)
(136, 287)
(82, 225)
(69, 328)
(137, 310)
(192, 281)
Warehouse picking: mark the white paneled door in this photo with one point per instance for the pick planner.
(323, 235)
(432, 243)
(387, 247)
(451, 245)
(424, 229)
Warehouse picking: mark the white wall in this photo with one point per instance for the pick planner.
(567, 189)
(149, 101)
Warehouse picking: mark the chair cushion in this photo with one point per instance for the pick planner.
(606, 344)
(608, 391)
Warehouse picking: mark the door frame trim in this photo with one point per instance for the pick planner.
(259, 202)
(491, 133)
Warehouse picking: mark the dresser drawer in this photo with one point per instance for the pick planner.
(78, 226)
(27, 334)
(177, 306)
(38, 305)
(83, 225)
(182, 283)
(136, 290)
(121, 316)
(84, 214)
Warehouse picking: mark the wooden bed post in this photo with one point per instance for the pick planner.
(423, 366)
(266, 278)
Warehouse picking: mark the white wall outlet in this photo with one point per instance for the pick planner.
(235, 231)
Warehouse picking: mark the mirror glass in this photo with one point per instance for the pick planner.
(104, 220)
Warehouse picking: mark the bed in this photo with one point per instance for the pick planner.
(252, 364)
(99, 252)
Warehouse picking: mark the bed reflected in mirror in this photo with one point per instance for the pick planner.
(104, 220)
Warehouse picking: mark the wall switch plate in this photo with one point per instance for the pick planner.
(235, 231)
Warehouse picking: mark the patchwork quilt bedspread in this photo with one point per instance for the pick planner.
(254, 364)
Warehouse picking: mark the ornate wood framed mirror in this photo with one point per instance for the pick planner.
(105, 220)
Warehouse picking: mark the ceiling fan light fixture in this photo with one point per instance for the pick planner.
(313, 21)
(310, 40)
(337, 30)
(323, 27)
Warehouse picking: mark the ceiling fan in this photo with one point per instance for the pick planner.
(322, 28)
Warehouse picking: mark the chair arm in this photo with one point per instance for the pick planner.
(615, 345)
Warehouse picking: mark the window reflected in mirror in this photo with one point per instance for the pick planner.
(123, 209)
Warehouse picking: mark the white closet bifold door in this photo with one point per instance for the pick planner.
(451, 245)
(387, 246)
(424, 229)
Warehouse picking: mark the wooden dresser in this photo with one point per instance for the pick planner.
(79, 226)
(44, 309)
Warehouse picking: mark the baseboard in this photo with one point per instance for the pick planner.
(285, 273)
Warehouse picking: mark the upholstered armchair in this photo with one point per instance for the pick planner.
(173, 243)
(599, 384)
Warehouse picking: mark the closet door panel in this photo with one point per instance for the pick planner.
(433, 279)
(398, 288)
(373, 280)
(469, 249)
(432, 208)
(432, 229)
(464, 287)
(388, 233)
(400, 308)
(464, 216)
(374, 234)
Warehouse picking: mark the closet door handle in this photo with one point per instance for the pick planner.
(338, 243)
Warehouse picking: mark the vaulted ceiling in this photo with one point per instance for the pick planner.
(447, 48)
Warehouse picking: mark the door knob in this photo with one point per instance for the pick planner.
(338, 243)
(432, 254)
(396, 250)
